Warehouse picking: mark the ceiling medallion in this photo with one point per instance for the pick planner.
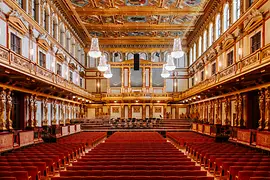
(136, 2)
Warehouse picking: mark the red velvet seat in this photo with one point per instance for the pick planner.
(19, 175)
(244, 175)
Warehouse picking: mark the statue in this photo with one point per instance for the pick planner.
(262, 108)
(31, 111)
(235, 120)
(226, 108)
(45, 116)
(54, 109)
(62, 112)
(267, 109)
(9, 107)
(2, 110)
(34, 122)
(67, 121)
(240, 114)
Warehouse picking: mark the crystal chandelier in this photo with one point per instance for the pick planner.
(165, 73)
(108, 73)
(94, 50)
(102, 64)
(170, 63)
(177, 48)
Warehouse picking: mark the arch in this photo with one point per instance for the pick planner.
(35, 9)
(117, 57)
(218, 26)
(46, 17)
(210, 34)
(143, 55)
(130, 56)
(67, 45)
(155, 57)
(107, 56)
(205, 45)
(55, 26)
(200, 46)
(62, 33)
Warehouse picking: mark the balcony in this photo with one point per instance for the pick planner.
(20, 64)
(137, 96)
(249, 64)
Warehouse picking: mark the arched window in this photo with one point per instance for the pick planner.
(46, 18)
(130, 56)
(78, 53)
(200, 46)
(155, 57)
(62, 34)
(194, 52)
(204, 41)
(218, 26)
(236, 9)
(210, 34)
(190, 56)
(143, 56)
(55, 28)
(82, 58)
(35, 10)
(226, 17)
(117, 57)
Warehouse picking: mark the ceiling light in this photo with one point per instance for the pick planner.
(94, 49)
(102, 64)
(177, 48)
(108, 74)
(165, 73)
(170, 63)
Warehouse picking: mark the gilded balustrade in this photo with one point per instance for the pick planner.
(249, 63)
(19, 63)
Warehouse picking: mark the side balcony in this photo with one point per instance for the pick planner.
(15, 65)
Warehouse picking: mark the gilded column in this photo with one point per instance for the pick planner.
(176, 112)
(143, 111)
(3, 110)
(9, 107)
(45, 112)
(143, 77)
(122, 112)
(165, 112)
(151, 111)
(267, 109)
(262, 108)
(212, 105)
(129, 111)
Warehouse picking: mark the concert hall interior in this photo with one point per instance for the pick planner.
(134, 89)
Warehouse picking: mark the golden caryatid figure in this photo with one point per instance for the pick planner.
(267, 109)
(262, 108)
(9, 107)
(45, 116)
(2, 110)
(54, 109)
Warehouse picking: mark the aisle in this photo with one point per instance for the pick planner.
(134, 155)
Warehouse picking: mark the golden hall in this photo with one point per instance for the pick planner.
(134, 90)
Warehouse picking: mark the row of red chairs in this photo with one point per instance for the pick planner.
(43, 160)
(227, 160)
(134, 155)
(182, 138)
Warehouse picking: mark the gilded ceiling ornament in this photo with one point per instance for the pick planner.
(192, 3)
(80, 3)
(91, 19)
(136, 2)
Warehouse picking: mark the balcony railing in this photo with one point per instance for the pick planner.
(123, 96)
(252, 62)
(23, 65)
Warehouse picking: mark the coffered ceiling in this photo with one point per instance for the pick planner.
(136, 22)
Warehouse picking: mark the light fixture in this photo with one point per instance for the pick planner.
(165, 73)
(177, 48)
(158, 101)
(115, 101)
(94, 49)
(102, 64)
(108, 73)
(137, 101)
(170, 63)
(73, 97)
(240, 51)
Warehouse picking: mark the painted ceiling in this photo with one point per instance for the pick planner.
(140, 21)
